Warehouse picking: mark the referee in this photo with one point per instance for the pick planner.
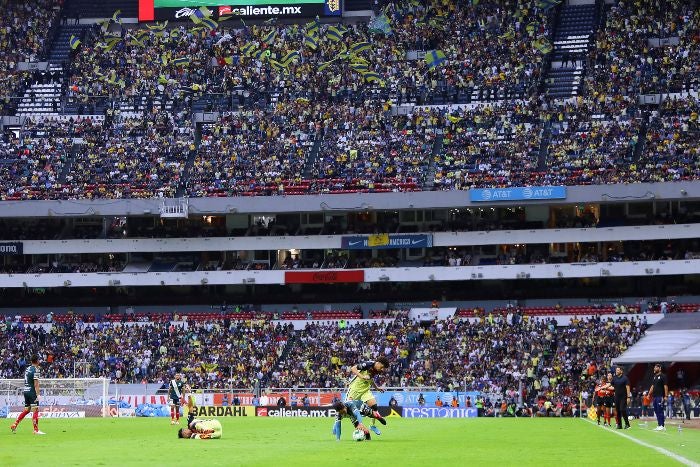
(622, 394)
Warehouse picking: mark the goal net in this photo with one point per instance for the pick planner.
(58, 397)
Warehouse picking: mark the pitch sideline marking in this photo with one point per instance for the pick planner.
(658, 449)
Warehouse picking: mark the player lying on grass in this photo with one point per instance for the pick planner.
(201, 429)
(362, 382)
(354, 410)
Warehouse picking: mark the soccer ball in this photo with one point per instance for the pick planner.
(358, 435)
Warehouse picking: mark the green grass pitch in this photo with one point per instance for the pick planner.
(261, 441)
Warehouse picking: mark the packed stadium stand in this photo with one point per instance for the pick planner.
(539, 159)
(512, 127)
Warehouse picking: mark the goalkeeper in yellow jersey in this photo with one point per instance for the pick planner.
(201, 429)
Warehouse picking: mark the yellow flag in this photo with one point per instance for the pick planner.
(378, 240)
(592, 413)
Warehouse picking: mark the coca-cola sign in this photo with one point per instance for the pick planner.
(324, 277)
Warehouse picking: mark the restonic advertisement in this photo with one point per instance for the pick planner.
(150, 10)
(438, 412)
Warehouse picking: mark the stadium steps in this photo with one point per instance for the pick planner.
(68, 166)
(573, 37)
(311, 159)
(43, 98)
(642, 137)
(544, 147)
(291, 343)
(182, 189)
(60, 48)
(429, 179)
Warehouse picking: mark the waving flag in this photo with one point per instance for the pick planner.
(157, 26)
(184, 61)
(359, 67)
(358, 47)
(310, 42)
(380, 25)
(202, 12)
(325, 65)
(371, 76)
(547, 4)
(434, 58)
(270, 38)
(110, 44)
(261, 54)
(335, 34)
(117, 17)
(74, 42)
(312, 28)
(248, 48)
(287, 59)
(278, 66)
(209, 23)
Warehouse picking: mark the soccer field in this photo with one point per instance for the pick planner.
(308, 442)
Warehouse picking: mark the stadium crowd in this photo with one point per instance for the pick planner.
(490, 146)
(323, 352)
(494, 353)
(254, 150)
(365, 148)
(24, 31)
(625, 62)
(276, 80)
(497, 353)
(212, 354)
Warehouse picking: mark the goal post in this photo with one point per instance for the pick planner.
(58, 397)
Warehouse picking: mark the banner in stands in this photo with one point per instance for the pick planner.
(315, 399)
(438, 412)
(11, 248)
(517, 194)
(150, 10)
(228, 411)
(386, 241)
(324, 277)
(307, 412)
(410, 398)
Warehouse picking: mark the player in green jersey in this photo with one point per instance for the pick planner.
(31, 396)
(175, 394)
